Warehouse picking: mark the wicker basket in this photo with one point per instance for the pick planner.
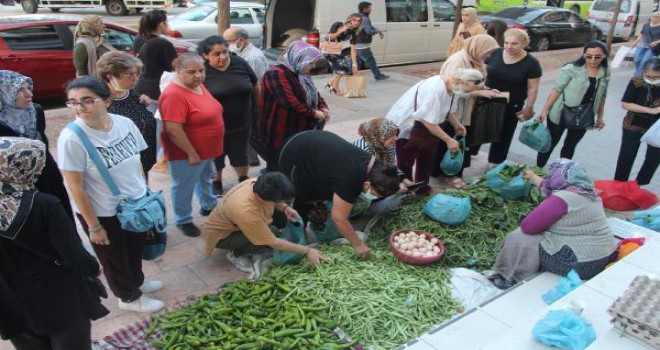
(411, 259)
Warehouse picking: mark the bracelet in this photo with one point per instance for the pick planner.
(94, 229)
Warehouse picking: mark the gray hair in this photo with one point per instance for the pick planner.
(182, 61)
(243, 33)
(468, 75)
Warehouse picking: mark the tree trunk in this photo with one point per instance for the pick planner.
(610, 33)
(457, 20)
(223, 16)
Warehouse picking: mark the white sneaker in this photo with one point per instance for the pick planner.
(142, 304)
(151, 286)
(261, 266)
(242, 263)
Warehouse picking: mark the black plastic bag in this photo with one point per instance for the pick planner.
(487, 119)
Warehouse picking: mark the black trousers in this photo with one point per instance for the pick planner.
(573, 137)
(442, 149)
(630, 142)
(240, 245)
(500, 150)
(75, 337)
(121, 260)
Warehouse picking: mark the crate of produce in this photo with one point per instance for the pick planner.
(416, 247)
(637, 312)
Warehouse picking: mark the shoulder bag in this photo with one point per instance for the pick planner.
(581, 116)
(421, 139)
(137, 215)
(330, 47)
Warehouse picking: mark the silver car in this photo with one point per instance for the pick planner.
(201, 21)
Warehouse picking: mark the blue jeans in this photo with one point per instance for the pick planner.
(187, 179)
(642, 54)
(369, 60)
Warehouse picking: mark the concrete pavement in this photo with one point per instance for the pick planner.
(186, 271)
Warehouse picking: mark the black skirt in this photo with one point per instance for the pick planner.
(340, 64)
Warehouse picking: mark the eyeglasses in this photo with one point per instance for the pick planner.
(85, 102)
(590, 57)
(132, 75)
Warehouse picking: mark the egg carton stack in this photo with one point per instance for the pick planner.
(637, 312)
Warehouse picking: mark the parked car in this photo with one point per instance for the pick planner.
(633, 14)
(548, 26)
(113, 7)
(201, 21)
(41, 47)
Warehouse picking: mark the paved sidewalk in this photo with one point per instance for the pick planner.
(186, 271)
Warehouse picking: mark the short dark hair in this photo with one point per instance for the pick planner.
(363, 5)
(274, 187)
(652, 65)
(205, 46)
(384, 178)
(94, 84)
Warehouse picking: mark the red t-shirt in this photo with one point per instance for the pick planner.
(201, 116)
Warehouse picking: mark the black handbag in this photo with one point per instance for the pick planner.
(579, 117)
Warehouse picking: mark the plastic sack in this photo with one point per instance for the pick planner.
(514, 189)
(535, 135)
(294, 232)
(471, 288)
(565, 286)
(648, 218)
(564, 329)
(329, 231)
(452, 162)
(652, 136)
(620, 56)
(624, 195)
(447, 209)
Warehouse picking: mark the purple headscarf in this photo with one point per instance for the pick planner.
(299, 55)
(565, 174)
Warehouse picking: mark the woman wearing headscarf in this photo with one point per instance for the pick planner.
(291, 103)
(46, 300)
(88, 45)
(473, 54)
(469, 27)
(20, 117)
(378, 137)
(568, 230)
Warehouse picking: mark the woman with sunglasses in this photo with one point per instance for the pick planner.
(580, 83)
(120, 72)
(642, 101)
(118, 142)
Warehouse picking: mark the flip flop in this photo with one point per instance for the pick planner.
(454, 182)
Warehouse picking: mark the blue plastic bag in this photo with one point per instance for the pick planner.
(564, 329)
(447, 209)
(648, 218)
(452, 162)
(329, 232)
(565, 286)
(535, 135)
(516, 188)
(294, 232)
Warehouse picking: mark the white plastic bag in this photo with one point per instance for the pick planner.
(471, 288)
(652, 136)
(621, 54)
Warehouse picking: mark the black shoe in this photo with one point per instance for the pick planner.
(503, 284)
(205, 212)
(255, 162)
(217, 188)
(383, 77)
(242, 178)
(189, 229)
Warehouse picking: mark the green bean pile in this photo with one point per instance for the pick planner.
(271, 314)
(472, 244)
(380, 303)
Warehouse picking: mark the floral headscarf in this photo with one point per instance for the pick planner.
(299, 55)
(21, 163)
(375, 132)
(90, 26)
(565, 174)
(22, 121)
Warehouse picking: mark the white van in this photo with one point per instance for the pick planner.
(415, 30)
(632, 16)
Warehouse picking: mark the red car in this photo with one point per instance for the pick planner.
(41, 47)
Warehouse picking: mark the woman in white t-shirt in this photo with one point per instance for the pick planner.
(118, 142)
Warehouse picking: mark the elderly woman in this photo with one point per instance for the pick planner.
(580, 83)
(118, 141)
(120, 71)
(20, 117)
(232, 82)
(473, 54)
(340, 66)
(642, 101)
(512, 69)
(193, 134)
(155, 52)
(88, 45)
(568, 230)
(291, 103)
(46, 301)
(469, 27)
(430, 102)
